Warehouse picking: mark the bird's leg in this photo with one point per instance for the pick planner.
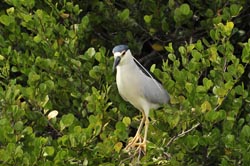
(142, 146)
(137, 135)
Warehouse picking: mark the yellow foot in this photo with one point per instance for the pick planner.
(141, 147)
(134, 142)
(138, 143)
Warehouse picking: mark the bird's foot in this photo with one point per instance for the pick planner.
(132, 143)
(141, 147)
(137, 144)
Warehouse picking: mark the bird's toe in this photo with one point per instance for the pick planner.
(133, 142)
(141, 147)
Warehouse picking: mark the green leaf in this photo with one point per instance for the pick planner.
(239, 89)
(173, 120)
(33, 77)
(124, 15)
(40, 13)
(206, 106)
(28, 131)
(235, 9)
(10, 10)
(245, 132)
(127, 121)
(219, 91)
(61, 155)
(182, 50)
(189, 87)
(5, 155)
(209, 13)
(196, 54)
(37, 38)
(29, 3)
(214, 34)
(199, 45)
(152, 68)
(99, 57)
(6, 20)
(148, 18)
(190, 47)
(121, 131)
(165, 25)
(211, 116)
(185, 9)
(246, 53)
(169, 48)
(201, 89)
(66, 121)
(48, 151)
(229, 140)
(18, 151)
(192, 141)
(91, 52)
(228, 28)
(85, 22)
(193, 66)
(118, 147)
(1, 57)
(50, 84)
(95, 123)
(172, 57)
(94, 72)
(207, 83)
(77, 10)
(217, 20)
(76, 63)
(28, 92)
(240, 69)
(18, 126)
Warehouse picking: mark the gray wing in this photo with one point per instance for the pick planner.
(152, 88)
(155, 93)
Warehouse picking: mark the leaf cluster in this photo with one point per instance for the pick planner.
(59, 104)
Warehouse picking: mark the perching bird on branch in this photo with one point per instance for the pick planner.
(137, 86)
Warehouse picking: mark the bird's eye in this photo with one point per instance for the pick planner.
(123, 53)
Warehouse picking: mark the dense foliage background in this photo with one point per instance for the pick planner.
(55, 56)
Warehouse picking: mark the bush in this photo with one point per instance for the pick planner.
(55, 58)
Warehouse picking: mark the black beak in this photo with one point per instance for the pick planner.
(116, 62)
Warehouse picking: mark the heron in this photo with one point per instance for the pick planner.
(137, 86)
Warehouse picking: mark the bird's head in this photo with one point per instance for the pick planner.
(121, 55)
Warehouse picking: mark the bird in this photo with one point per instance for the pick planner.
(138, 87)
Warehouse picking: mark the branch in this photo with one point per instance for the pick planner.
(183, 133)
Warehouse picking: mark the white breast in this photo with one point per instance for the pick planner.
(130, 87)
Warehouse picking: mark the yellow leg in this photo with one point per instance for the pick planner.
(143, 146)
(137, 135)
(146, 129)
(141, 124)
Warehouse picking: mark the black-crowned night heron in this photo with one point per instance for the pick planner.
(137, 86)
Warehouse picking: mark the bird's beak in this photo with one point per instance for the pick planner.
(116, 62)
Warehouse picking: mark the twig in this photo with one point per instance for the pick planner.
(183, 133)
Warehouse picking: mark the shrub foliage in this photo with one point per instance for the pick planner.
(55, 58)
